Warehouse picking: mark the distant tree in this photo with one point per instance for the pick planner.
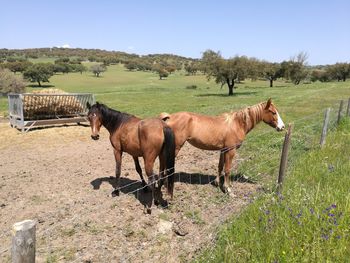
(10, 82)
(163, 73)
(62, 60)
(191, 69)
(131, 65)
(40, 72)
(339, 71)
(170, 68)
(320, 75)
(17, 66)
(78, 68)
(271, 71)
(98, 69)
(295, 68)
(225, 71)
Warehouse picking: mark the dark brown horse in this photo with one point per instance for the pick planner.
(147, 138)
(224, 133)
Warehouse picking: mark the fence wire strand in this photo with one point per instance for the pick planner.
(298, 136)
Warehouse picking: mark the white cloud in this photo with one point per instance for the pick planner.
(131, 48)
(64, 46)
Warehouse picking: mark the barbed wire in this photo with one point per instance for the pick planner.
(209, 181)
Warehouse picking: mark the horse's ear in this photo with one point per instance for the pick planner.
(268, 104)
(88, 105)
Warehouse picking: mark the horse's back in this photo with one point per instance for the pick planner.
(202, 131)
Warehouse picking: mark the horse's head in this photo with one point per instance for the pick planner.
(95, 119)
(271, 116)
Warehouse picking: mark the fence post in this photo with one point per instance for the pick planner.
(348, 109)
(284, 159)
(325, 125)
(340, 110)
(23, 242)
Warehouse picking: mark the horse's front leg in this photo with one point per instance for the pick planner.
(139, 171)
(118, 165)
(220, 168)
(228, 163)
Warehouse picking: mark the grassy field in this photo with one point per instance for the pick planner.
(308, 222)
(143, 94)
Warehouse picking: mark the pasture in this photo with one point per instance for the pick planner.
(60, 177)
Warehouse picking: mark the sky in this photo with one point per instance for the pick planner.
(272, 30)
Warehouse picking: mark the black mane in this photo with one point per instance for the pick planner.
(111, 119)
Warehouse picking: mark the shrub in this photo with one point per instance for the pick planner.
(10, 82)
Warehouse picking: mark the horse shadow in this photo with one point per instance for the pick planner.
(144, 195)
(202, 179)
(127, 186)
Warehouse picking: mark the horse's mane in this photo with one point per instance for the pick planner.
(112, 119)
(251, 115)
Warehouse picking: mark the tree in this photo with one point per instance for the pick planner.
(18, 66)
(296, 68)
(225, 71)
(339, 71)
(98, 69)
(10, 82)
(163, 73)
(320, 74)
(40, 72)
(78, 68)
(271, 71)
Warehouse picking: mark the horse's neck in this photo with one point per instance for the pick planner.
(112, 120)
(252, 116)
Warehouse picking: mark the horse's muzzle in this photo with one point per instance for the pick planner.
(280, 128)
(95, 137)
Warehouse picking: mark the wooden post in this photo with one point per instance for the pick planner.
(325, 126)
(284, 159)
(348, 109)
(340, 110)
(23, 242)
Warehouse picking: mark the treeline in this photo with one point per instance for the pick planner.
(226, 72)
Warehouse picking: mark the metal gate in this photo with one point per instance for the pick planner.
(28, 110)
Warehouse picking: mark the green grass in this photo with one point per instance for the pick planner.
(309, 222)
(143, 94)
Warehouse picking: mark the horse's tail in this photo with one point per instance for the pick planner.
(169, 154)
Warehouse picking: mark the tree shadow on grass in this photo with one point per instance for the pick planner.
(40, 87)
(236, 94)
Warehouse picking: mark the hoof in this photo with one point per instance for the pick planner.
(215, 183)
(115, 193)
(156, 202)
(231, 194)
(145, 189)
(148, 211)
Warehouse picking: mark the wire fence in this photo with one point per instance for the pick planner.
(304, 136)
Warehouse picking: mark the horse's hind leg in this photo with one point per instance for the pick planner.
(118, 164)
(139, 171)
(152, 182)
(162, 171)
(220, 168)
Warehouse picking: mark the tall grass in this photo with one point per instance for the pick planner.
(308, 222)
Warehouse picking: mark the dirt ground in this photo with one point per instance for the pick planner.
(59, 177)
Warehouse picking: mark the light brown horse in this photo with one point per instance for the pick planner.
(224, 133)
(147, 138)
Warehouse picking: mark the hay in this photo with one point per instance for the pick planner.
(48, 103)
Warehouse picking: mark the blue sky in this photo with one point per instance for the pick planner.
(266, 29)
